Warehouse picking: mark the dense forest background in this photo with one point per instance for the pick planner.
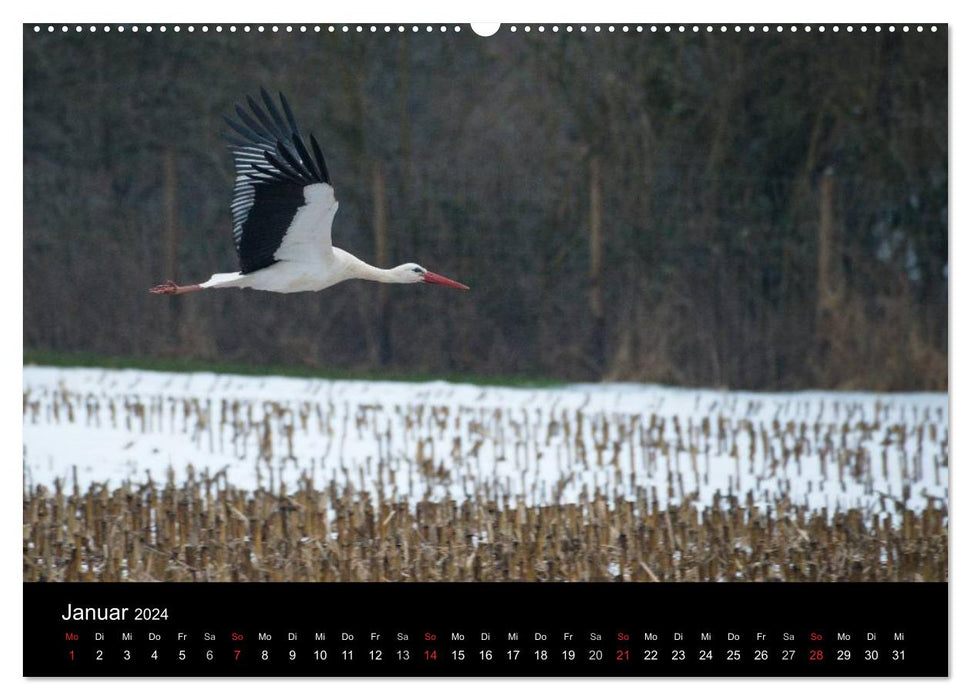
(751, 211)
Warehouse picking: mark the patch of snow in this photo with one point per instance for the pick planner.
(881, 452)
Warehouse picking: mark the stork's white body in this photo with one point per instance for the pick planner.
(290, 276)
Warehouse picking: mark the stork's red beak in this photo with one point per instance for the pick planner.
(432, 278)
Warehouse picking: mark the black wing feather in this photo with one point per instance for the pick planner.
(305, 157)
(293, 161)
(271, 175)
(321, 164)
(267, 123)
(258, 129)
(243, 131)
(280, 124)
(273, 166)
(284, 168)
(293, 122)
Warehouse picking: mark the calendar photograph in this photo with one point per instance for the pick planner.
(405, 304)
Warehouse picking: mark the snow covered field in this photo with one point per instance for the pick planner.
(879, 452)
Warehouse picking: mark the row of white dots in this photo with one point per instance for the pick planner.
(245, 28)
(764, 28)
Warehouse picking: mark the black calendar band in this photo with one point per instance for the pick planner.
(485, 629)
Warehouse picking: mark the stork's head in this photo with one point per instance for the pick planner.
(412, 272)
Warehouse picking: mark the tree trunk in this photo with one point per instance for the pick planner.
(171, 238)
(381, 260)
(827, 279)
(828, 292)
(598, 340)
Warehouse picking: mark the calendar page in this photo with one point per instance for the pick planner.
(550, 349)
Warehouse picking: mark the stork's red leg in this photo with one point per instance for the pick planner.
(172, 288)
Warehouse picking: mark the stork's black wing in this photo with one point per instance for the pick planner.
(274, 170)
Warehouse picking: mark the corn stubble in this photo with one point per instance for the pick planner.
(402, 516)
(202, 531)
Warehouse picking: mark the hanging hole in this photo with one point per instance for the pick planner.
(485, 28)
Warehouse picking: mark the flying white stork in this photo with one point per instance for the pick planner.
(283, 207)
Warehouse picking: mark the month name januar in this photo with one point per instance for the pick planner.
(82, 614)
